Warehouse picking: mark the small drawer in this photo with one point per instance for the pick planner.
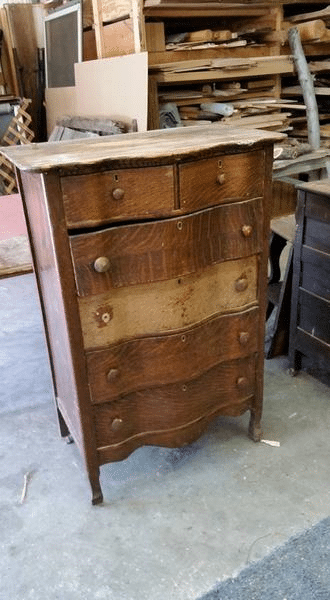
(144, 253)
(171, 305)
(216, 180)
(224, 389)
(90, 200)
(154, 361)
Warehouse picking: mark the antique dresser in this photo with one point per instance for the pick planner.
(150, 254)
(310, 304)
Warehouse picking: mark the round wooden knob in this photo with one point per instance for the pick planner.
(241, 284)
(102, 264)
(117, 424)
(118, 194)
(247, 230)
(244, 337)
(221, 178)
(112, 375)
(241, 382)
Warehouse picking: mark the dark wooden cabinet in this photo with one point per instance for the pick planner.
(150, 254)
(310, 306)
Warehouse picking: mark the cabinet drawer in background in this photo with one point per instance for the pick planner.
(168, 306)
(224, 388)
(90, 200)
(216, 180)
(154, 361)
(144, 253)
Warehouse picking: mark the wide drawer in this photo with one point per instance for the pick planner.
(148, 252)
(212, 181)
(166, 306)
(223, 389)
(90, 200)
(154, 361)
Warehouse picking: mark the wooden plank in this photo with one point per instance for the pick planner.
(98, 28)
(131, 312)
(117, 37)
(155, 37)
(60, 102)
(121, 85)
(113, 10)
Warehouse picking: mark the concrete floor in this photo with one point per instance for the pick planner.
(174, 521)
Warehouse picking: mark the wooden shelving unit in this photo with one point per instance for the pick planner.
(264, 59)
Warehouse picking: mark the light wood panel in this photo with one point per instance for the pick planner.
(168, 305)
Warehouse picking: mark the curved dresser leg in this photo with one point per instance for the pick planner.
(255, 427)
(97, 496)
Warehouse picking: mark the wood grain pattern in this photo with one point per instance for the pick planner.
(89, 199)
(171, 438)
(162, 250)
(137, 364)
(315, 272)
(242, 175)
(174, 405)
(167, 306)
(132, 149)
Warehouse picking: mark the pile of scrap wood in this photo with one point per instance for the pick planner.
(264, 113)
(249, 30)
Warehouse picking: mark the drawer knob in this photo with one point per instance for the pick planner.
(247, 230)
(118, 194)
(112, 375)
(241, 284)
(242, 382)
(244, 337)
(221, 178)
(102, 264)
(117, 424)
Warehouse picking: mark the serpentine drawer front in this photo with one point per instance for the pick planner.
(150, 253)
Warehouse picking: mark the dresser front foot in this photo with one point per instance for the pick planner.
(255, 428)
(97, 496)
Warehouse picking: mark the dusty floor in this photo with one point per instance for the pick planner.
(174, 521)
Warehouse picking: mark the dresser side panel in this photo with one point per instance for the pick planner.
(50, 248)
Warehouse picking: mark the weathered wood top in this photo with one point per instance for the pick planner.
(316, 187)
(136, 148)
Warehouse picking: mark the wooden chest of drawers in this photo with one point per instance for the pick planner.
(150, 253)
(310, 305)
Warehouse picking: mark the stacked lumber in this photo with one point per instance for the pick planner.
(265, 113)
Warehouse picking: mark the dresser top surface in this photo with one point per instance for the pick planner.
(317, 187)
(155, 145)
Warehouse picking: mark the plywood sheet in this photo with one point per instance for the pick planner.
(114, 87)
(60, 102)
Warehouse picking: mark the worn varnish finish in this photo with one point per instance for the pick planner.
(169, 305)
(139, 363)
(150, 253)
(164, 250)
(310, 306)
(221, 179)
(118, 194)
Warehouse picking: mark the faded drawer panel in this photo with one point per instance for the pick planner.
(223, 388)
(154, 361)
(126, 313)
(91, 200)
(157, 251)
(314, 316)
(216, 180)
(315, 272)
